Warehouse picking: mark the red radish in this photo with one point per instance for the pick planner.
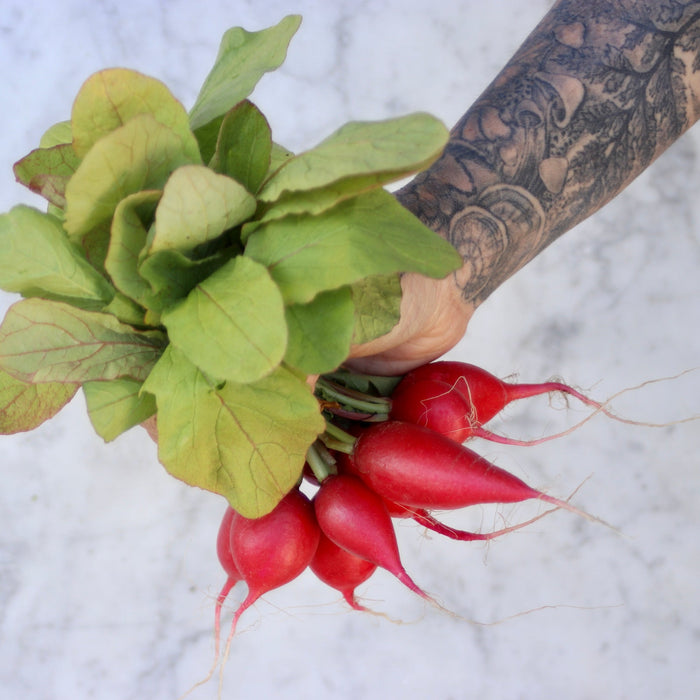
(487, 395)
(440, 406)
(420, 468)
(356, 519)
(424, 517)
(340, 569)
(274, 549)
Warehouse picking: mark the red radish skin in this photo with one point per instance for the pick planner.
(272, 550)
(440, 406)
(420, 468)
(486, 393)
(341, 570)
(356, 519)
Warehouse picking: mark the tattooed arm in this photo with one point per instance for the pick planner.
(593, 96)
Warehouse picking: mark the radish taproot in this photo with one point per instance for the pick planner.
(341, 569)
(355, 518)
(223, 552)
(419, 468)
(486, 394)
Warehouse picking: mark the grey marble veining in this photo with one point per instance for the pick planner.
(107, 565)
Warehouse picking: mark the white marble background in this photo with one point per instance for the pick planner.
(107, 565)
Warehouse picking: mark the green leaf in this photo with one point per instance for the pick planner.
(243, 58)
(244, 146)
(231, 325)
(55, 135)
(172, 276)
(367, 235)
(247, 442)
(137, 156)
(320, 332)
(25, 406)
(377, 301)
(360, 156)
(116, 406)
(37, 259)
(48, 341)
(46, 171)
(128, 238)
(197, 206)
(111, 98)
(278, 157)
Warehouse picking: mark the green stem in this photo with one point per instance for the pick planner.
(321, 462)
(359, 402)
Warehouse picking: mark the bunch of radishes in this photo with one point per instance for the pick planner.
(383, 457)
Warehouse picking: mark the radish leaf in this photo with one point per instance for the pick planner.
(377, 302)
(367, 235)
(25, 406)
(48, 341)
(128, 237)
(232, 324)
(246, 442)
(116, 406)
(139, 155)
(46, 171)
(362, 155)
(197, 206)
(244, 146)
(243, 58)
(320, 331)
(110, 98)
(38, 259)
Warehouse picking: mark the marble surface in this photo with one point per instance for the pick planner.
(107, 565)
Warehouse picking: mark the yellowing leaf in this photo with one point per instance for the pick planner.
(25, 406)
(197, 206)
(247, 442)
(48, 341)
(137, 156)
(110, 98)
(46, 171)
(231, 325)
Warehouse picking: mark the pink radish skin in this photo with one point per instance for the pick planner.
(487, 395)
(341, 570)
(356, 519)
(274, 549)
(420, 468)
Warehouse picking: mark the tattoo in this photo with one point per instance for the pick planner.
(598, 90)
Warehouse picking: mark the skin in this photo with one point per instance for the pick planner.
(593, 96)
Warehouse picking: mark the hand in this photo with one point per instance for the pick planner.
(433, 319)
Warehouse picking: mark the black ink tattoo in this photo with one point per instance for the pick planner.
(596, 92)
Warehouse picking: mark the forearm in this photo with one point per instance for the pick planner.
(594, 95)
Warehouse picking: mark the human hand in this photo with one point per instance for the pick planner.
(433, 319)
